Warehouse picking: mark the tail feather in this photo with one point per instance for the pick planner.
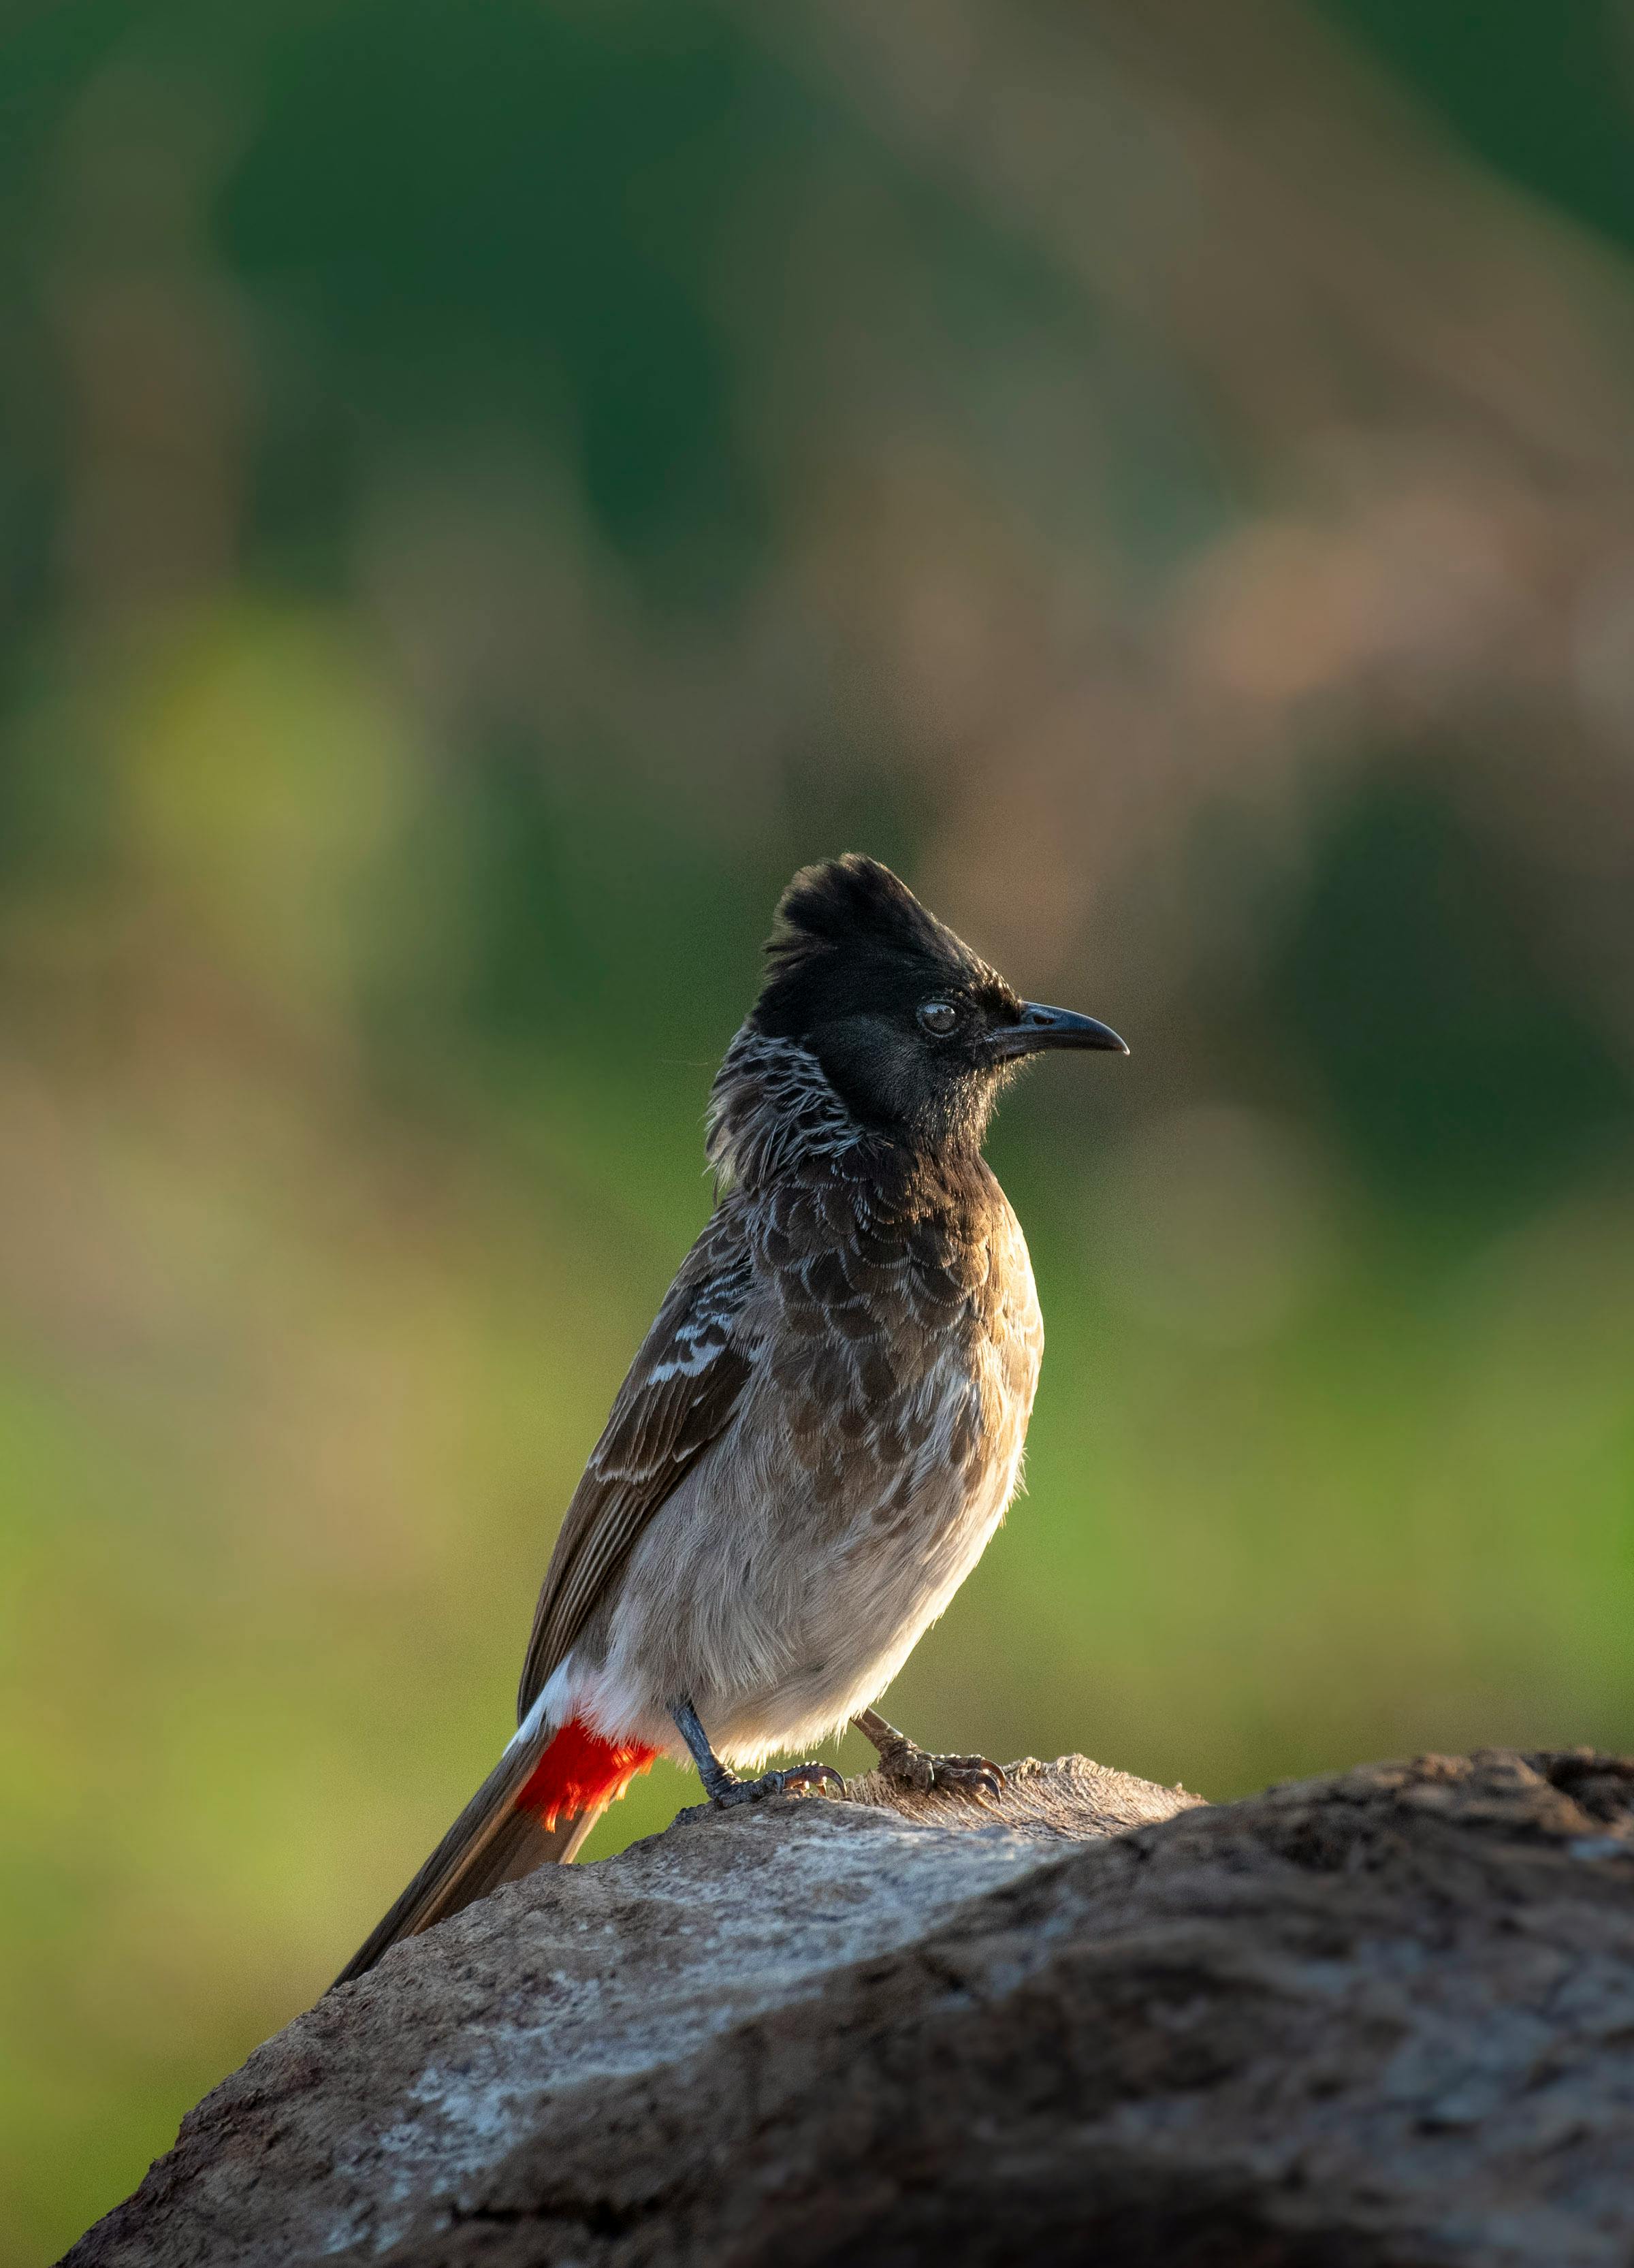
(537, 1805)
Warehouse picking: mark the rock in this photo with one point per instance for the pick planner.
(1377, 2021)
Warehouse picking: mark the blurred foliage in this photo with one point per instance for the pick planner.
(483, 494)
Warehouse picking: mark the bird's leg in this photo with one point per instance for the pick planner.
(725, 1788)
(906, 1763)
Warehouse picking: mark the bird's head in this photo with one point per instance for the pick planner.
(915, 1033)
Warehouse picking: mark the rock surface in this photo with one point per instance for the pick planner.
(1377, 2021)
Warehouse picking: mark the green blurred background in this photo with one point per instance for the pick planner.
(484, 492)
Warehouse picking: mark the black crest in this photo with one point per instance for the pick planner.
(842, 902)
(849, 934)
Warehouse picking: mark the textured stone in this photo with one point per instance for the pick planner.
(1382, 2018)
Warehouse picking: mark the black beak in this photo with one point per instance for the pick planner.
(1042, 1028)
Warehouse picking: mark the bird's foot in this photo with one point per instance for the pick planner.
(909, 1766)
(725, 1790)
(795, 1779)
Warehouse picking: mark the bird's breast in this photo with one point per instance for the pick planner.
(902, 1344)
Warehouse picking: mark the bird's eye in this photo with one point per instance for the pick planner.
(938, 1017)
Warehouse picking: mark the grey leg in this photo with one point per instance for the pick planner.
(908, 1764)
(725, 1788)
(717, 1780)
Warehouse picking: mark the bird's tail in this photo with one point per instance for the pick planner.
(538, 1804)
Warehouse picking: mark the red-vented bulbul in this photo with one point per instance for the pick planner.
(824, 1425)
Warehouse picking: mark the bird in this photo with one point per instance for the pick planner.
(825, 1424)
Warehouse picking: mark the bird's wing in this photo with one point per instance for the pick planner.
(683, 1389)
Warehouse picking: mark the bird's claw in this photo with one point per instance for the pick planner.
(970, 1775)
(810, 1780)
(914, 1768)
(795, 1780)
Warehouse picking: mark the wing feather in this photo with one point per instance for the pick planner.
(682, 1392)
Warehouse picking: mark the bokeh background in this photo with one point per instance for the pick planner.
(485, 491)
